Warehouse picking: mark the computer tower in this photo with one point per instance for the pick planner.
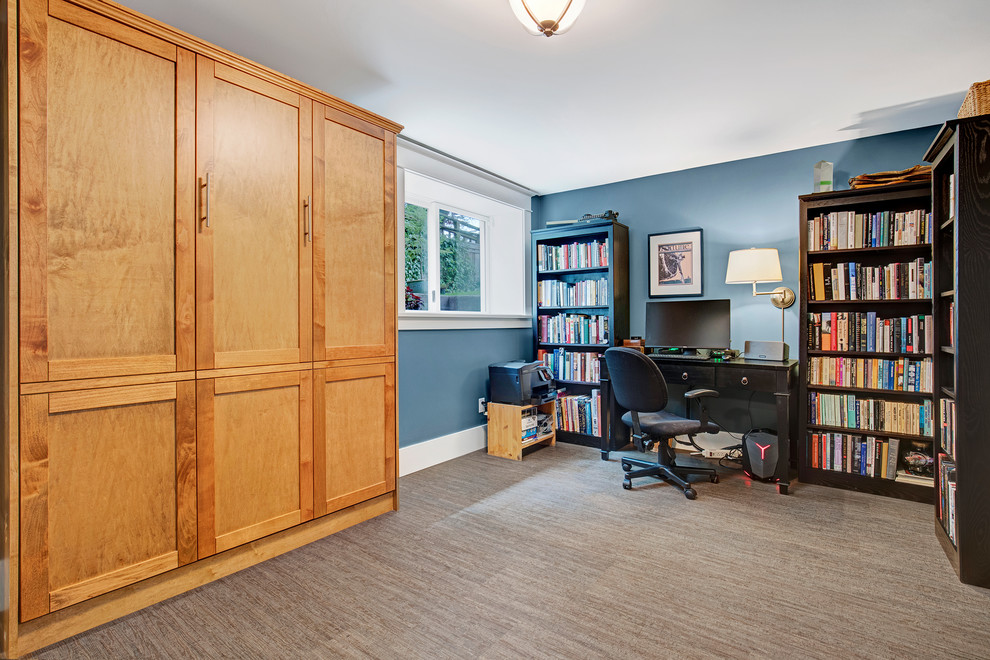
(760, 454)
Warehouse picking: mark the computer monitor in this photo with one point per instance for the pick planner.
(687, 324)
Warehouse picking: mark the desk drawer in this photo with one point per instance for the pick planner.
(760, 380)
(696, 375)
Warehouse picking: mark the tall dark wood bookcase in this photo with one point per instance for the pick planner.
(960, 157)
(567, 284)
(834, 453)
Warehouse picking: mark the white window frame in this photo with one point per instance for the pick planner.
(505, 214)
(433, 295)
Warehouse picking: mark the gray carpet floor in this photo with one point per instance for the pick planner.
(551, 558)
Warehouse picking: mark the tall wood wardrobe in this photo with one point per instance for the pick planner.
(199, 315)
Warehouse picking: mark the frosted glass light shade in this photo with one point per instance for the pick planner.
(753, 265)
(548, 17)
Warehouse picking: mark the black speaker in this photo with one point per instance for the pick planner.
(760, 454)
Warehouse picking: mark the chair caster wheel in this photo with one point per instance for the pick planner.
(626, 466)
(714, 478)
(627, 484)
(691, 493)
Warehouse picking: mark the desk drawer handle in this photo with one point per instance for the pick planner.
(744, 380)
(684, 376)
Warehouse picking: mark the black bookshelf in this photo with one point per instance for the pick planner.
(960, 157)
(894, 199)
(611, 309)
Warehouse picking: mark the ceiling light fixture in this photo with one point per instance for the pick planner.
(548, 17)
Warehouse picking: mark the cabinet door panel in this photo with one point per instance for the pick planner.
(106, 220)
(354, 242)
(253, 139)
(108, 496)
(255, 458)
(355, 435)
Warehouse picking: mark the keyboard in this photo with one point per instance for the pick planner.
(680, 356)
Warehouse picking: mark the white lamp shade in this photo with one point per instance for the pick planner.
(753, 265)
(546, 12)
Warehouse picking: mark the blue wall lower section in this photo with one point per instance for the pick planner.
(740, 204)
(443, 373)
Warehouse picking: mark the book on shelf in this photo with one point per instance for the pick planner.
(947, 425)
(573, 329)
(895, 375)
(586, 293)
(848, 230)
(839, 281)
(850, 411)
(867, 332)
(580, 413)
(588, 254)
(867, 456)
(569, 365)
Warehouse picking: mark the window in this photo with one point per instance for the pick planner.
(463, 251)
(445, 247)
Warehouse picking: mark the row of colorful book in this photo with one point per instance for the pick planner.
(578, 366)
(851, 412)
(854, 454)
(580, 413)
(586, 293)
(592, 254)
(867, 332)
(573, 329)
(900, 375)
(848, 230)
(910, 280)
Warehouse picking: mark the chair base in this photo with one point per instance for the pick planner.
(673, 473)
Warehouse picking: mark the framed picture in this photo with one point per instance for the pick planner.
(675, 263)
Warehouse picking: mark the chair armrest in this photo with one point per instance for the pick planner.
(694, 394)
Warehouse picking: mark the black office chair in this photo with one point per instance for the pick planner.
(638, 386)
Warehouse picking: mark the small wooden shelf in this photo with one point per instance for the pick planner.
(947, 223)
(577, 382)
(872, 432)
(951, 350)
(505, 429)
(949, 392)
(951, 293)
(601, 346)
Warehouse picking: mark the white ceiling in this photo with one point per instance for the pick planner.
(637, 87)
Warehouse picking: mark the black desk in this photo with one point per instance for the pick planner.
(777, 378)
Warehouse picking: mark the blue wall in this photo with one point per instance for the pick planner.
(740, 204)
(443, 373)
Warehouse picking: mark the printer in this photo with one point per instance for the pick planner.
(520, 383)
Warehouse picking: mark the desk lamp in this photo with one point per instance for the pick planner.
(760, 266)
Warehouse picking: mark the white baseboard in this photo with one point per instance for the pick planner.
(432, 452)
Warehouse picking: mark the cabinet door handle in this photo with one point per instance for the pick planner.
(205, 188)
(308, 231)
(744, 380)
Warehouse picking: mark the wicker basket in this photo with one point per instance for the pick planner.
(977, 101)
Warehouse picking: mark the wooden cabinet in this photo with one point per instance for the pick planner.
(107, 490)
(106, 249)
(353, 237)
(254, 457)
(254, 165)
(192, 231)
(355, 434)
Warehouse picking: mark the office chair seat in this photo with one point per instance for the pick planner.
(667, 424)
(639, 387)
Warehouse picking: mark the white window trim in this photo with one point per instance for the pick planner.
(422, 162)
